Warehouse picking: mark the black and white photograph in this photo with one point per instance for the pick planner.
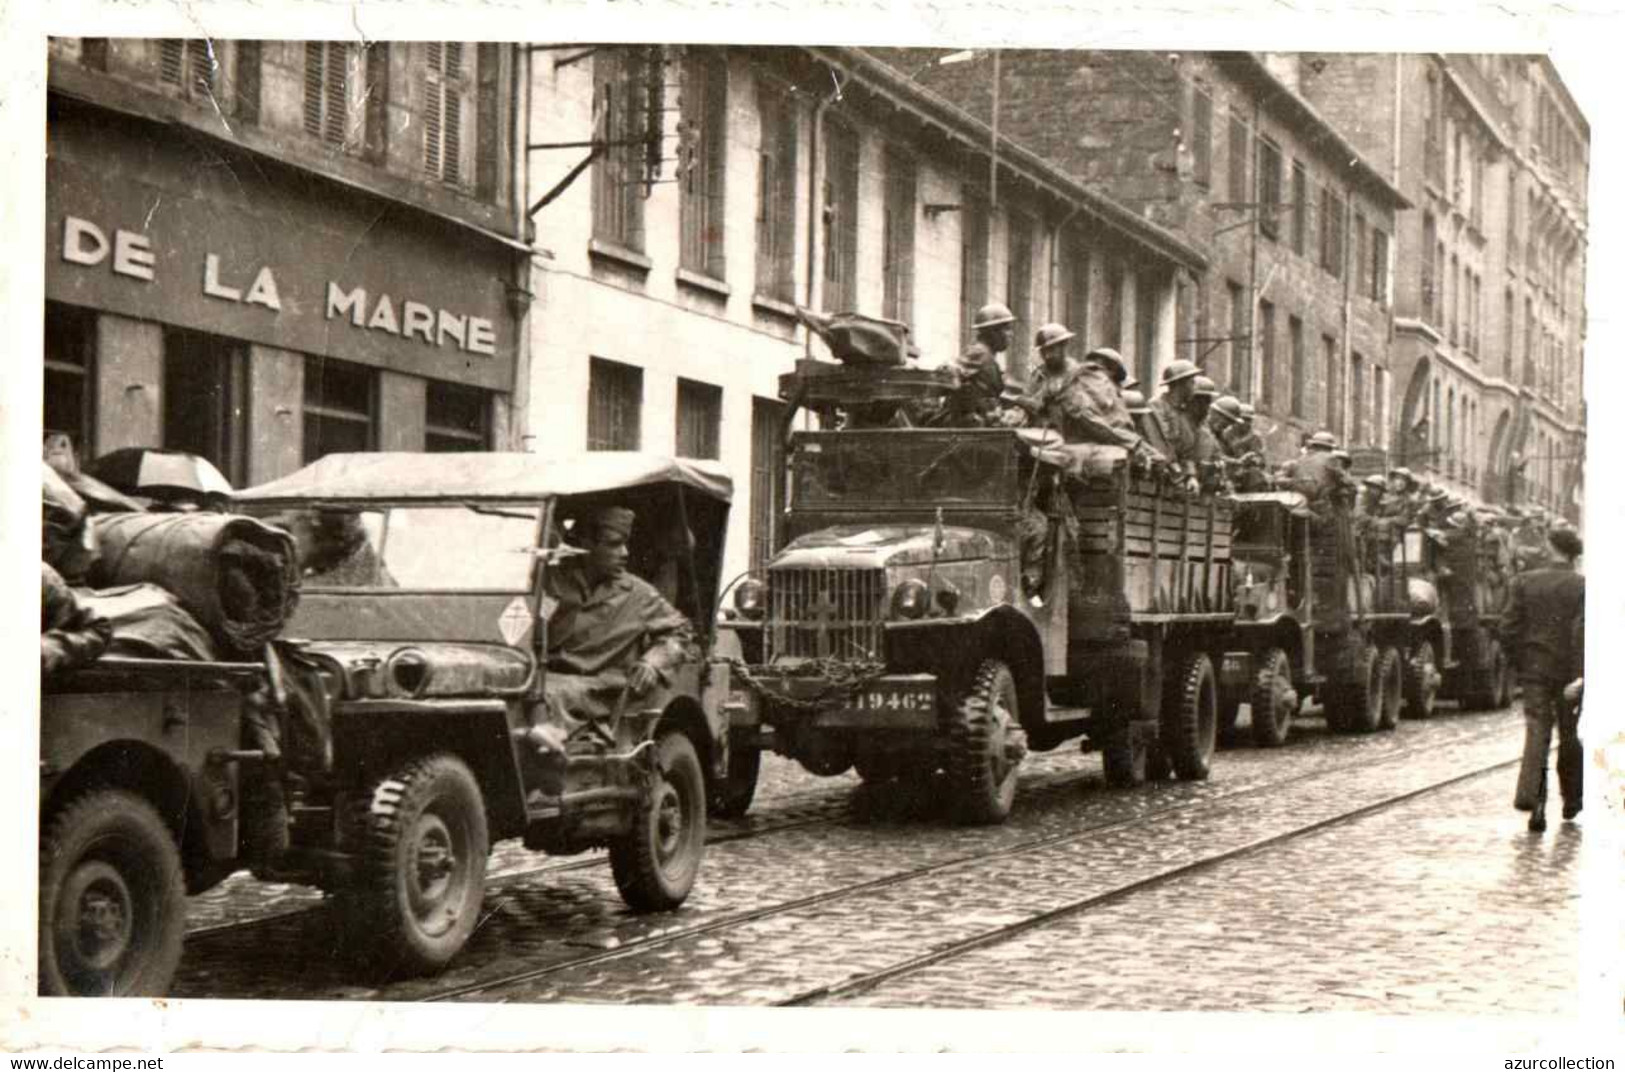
(966, 526)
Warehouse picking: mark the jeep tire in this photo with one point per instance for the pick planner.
(655, 863)
(985, 745)
(112, 907)
(422, 839)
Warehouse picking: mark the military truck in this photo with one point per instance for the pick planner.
(1456, 586)
(894, 631)
(1319, 615)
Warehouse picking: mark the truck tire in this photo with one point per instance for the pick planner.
(1190, 718)
(423, 841)
(985, 745)
(656, 862)
(732, 794)
(1490, 690)
(1126, 756)
(1353, 703)
(1391, 688)
(1421, 680)
(1273, 700)
(112, 907)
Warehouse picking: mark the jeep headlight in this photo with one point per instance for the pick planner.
(911, 599)
(408, 672)
(750, 599)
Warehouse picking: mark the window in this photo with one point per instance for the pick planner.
(1240, 374)
(1512, 215)
(93, 53)
(205, 399)
(1266, 354)
(1145, 327)
(776, 195)
(187, 67)
(1238, 158)
(1455, 297)
(328, 78)
(841, 219)
(973, 253)
(246, 96)
(1300, 371)
(70, 349)
(1074, 283)
(614, 406)
(446, 90)
(1430, 278)
(1359, 253)
(1112, 314)
(1201, 136)
(1269, 187)
(456, 417)
(488, 141)
(1334, 386)
(699, 420)
(1379, 266)
(1478, 191)
(1433, 133)
(1019, 288)
(766, 476)
(1357, 431)
(624, 121)
(703, 144)
(1331, 231)
(341, 407)
(897, 238)
(1508, 313)
(1300, 208)
(1379, 408)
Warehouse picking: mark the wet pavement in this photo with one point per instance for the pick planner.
(826, 880)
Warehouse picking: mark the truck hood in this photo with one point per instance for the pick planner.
(462, 670)
(879, 546)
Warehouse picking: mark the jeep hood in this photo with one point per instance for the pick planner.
(454, 669)
(879, 546)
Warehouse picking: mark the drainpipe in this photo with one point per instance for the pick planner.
(519, 292)
(815, 197)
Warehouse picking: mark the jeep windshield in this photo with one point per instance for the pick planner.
(903, 467)
(451, 548)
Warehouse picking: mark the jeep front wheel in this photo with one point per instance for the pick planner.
(112, 899)
(423, 841)
(656, 862)
(986, 745)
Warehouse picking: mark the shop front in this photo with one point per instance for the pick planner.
(206, 299)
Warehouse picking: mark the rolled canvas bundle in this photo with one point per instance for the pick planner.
(148, 623)
(237, 576)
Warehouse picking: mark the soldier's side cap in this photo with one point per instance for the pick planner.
(613, 521)
(1112, 359)
(1179, 370)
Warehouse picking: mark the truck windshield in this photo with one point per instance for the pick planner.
(899, 468)
(422, 548)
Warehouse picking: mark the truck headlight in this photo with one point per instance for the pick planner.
(911, 599)
(750, 599)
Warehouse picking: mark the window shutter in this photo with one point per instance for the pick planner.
(172, 60)
(248, 81)
(200, 68)
(313, 88)
(337, 94)
(487, 136)
(377, 97)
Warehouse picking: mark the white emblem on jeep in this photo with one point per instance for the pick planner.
(514, 622)
(995, 588)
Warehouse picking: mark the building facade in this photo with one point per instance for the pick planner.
(265, 251)
(1489, 293)
(1295, 312)
(688, 199)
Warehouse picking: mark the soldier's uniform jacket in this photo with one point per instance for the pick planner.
(1207, 448)
(1316, 475)
(1544, 625)
(70, 634)
(1170, 431)
(981, 382)
(1092, 411)
(1045, 390)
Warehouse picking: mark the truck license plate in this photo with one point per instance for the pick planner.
(887, 704)
(890, 698)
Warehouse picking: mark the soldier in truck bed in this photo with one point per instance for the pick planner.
(975, 402)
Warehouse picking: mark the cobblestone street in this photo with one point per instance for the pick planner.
(827, 881)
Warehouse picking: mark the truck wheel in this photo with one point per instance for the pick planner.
(1421, 681)
(1390, 688)
(1190, 718)
(655, 864)
(731, 794)
(986, 745)
(1353, 704)
(1273, 700)
(112, 898)
(423, 840)
(1127, 758)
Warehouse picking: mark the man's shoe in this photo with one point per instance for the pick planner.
(1537, 822)
(1571, 810)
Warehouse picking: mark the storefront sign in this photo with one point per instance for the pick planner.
(285, 266)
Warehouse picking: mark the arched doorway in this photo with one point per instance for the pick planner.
(1411, 442)
(1494, 487)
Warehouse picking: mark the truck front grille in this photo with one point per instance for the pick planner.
(814, 613)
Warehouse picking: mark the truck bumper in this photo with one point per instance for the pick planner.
(890, 702)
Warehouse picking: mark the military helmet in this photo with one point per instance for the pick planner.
(1133, 400)
(1438, 495)
(1051, 335)
(1404, 474)
(1113, 361)
(1322, 441)
(1248, 412)
(1375, 481)
(1206, 388)
(1342, 455)
(1179, 370)
(992, 315)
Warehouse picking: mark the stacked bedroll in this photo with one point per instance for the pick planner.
(1145, 551)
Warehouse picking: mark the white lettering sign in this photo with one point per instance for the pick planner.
(85, 243)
